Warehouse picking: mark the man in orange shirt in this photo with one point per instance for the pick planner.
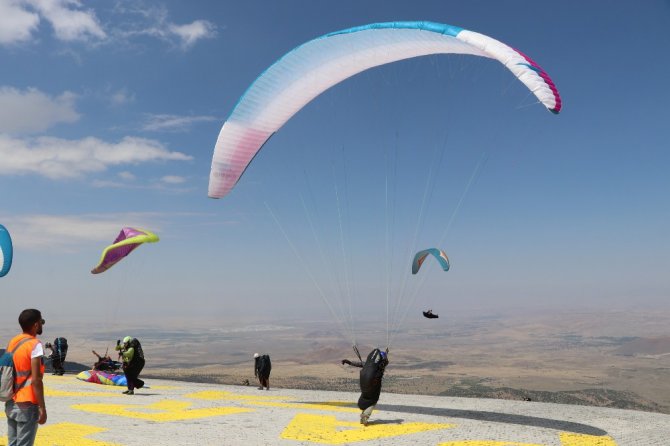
(27, 409)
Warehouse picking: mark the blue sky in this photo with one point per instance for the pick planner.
(109, 111)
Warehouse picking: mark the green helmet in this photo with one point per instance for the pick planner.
(127, 340)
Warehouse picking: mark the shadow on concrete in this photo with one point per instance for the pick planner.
(492, 417)
(396, 421)
(143, 394)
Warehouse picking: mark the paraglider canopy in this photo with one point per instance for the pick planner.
(127, 240)
(102, 377)
(313, 67)
(6, 251)
(420, 257)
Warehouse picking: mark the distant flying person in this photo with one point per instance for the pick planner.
(372, 372)
(262, 368)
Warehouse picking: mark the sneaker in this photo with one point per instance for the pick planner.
(364, 420)
(260, 388)
(129, 392)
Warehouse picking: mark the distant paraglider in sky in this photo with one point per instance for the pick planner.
(420, 257)
(6, 251)
(310, 69)
(126, 242)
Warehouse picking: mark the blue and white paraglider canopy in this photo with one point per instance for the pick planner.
(6, 251)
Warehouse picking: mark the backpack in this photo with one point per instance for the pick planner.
(60, 344)
(264, 365)
(375, 363)
(135, 344)
(8, 372)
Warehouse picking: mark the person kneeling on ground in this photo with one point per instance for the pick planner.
(262, 368)
(105, 363)
(372, 372)
(133, 362)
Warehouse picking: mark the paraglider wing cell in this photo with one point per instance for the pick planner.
(126, 242)
(6, 251)
(313, 67)
(420, 257)
(105, 378)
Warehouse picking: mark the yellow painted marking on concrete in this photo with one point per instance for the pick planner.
(338, 406)
(162, 411)
(326, 429)
(486, 443)
(55, 392)
(164, 387)
(66, 434)
(223, 395)
(266, 401)
(570, 439)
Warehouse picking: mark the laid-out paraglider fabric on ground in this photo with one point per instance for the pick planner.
(6, 251)
(100, 377)
(313, 67)
(420, 257)
(127, 240)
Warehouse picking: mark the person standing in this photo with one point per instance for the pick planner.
(27, 409)
(133, 362)
(372, 372)
(58, 354)
(262, 368)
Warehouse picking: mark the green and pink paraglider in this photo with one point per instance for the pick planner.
(126, 242)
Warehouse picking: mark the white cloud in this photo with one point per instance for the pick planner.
(60, 158)
(19, 19)
(173, 179)
(126, 176)
(32, 111)
(173, 123)
(153, 21)
(16, 24)
(190, 33)
(122, 97)
(70, 23)
(67, 231)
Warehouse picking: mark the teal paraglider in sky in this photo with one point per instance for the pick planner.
(420, 257)
(6, 251)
